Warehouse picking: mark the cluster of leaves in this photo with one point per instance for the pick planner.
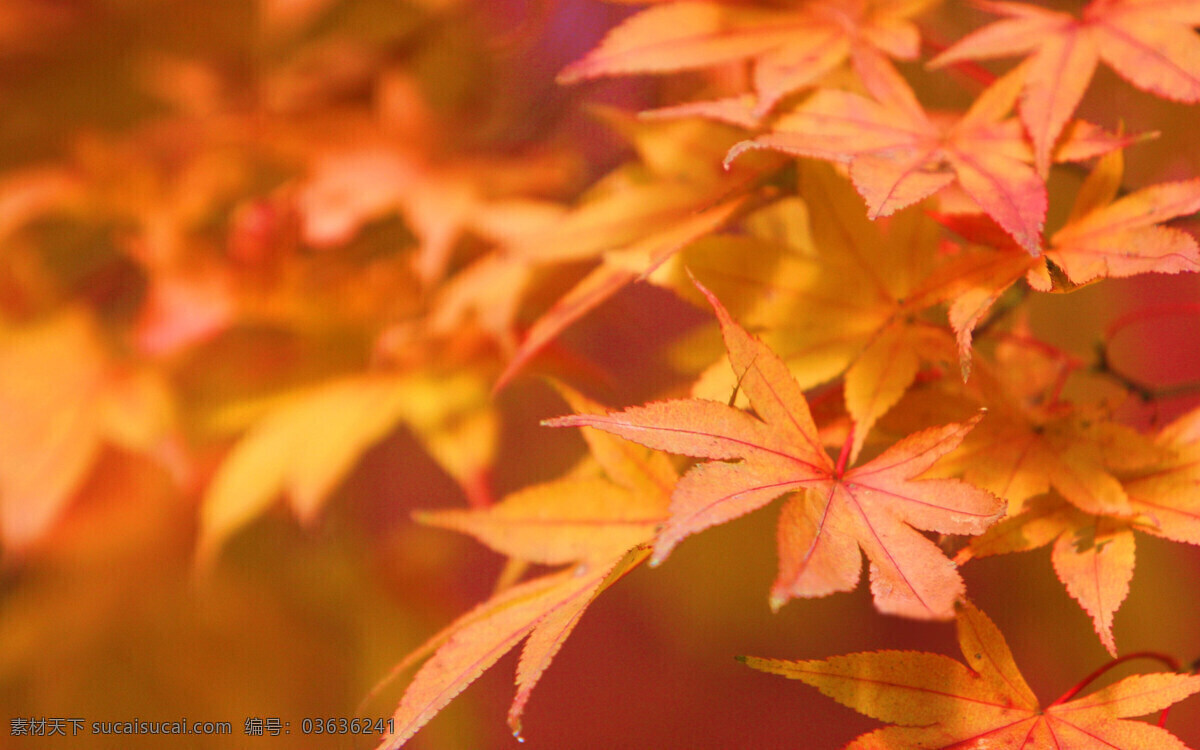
(882, 302)
(370, 246)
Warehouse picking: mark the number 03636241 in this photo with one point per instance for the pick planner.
(343, 725)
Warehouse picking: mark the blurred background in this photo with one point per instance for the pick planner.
(219, 220)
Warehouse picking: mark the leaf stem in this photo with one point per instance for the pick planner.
(968, 68)
(1167, 660)
(844, 456)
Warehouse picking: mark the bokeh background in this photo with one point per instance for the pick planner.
(207, 206)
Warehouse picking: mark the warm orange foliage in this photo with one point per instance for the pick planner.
(288, 289)
(986, 702)
(599, 520)
(839, 510)
(1150, 43)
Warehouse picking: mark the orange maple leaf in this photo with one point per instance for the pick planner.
(62, 397)
(309, 440)
(634, 219)
(838, 511)
(1147, 42)
(943, 703)
(786, 276)
(790, 47)
(1094, 554)
(601, 518)
(1167, 497)
(545, 610)
(1034, 441)
(1103, 237)
(1111, 238)
(899, 155)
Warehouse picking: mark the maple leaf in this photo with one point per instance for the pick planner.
(414, 166)
(440, 201)
(184, 308)
(1093, 554)
(486, 293)
(838, 511)
(1107, 481)
(62, 398)
(1166, 497)
(634, 219)
(1111, 238)
(308, 441)
(592, 513)
(786, 276)
(1147, 42)
(978, 277)
(600, 517)
(1034, 441)
(740, 111)
(790, 48)
(899, 155)
(1102, 238)
(51, 436)
(943, 703)
(545, 610)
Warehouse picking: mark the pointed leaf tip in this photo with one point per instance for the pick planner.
(737, 150)
(657, 558)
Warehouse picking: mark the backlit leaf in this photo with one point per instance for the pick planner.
(1150, 44)
(545, 609)
(790, 48)
(602, 523)
(942, 703)
(875, 504)
(305, 446)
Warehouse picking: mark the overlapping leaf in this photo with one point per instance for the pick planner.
(835, 513)
(898, 154)
(1094, 553)
(1167, 497)
(939, 702)
(790, 47)
(1149, 43)
(1034, 444)
(418, 171)
(786, 276)
(545, 610)
(310, 441)
(1116, 238)
(585, 516)
(61, 398)
(1033, 441)
(634, 219)
(1102, 238)
(601, 517)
